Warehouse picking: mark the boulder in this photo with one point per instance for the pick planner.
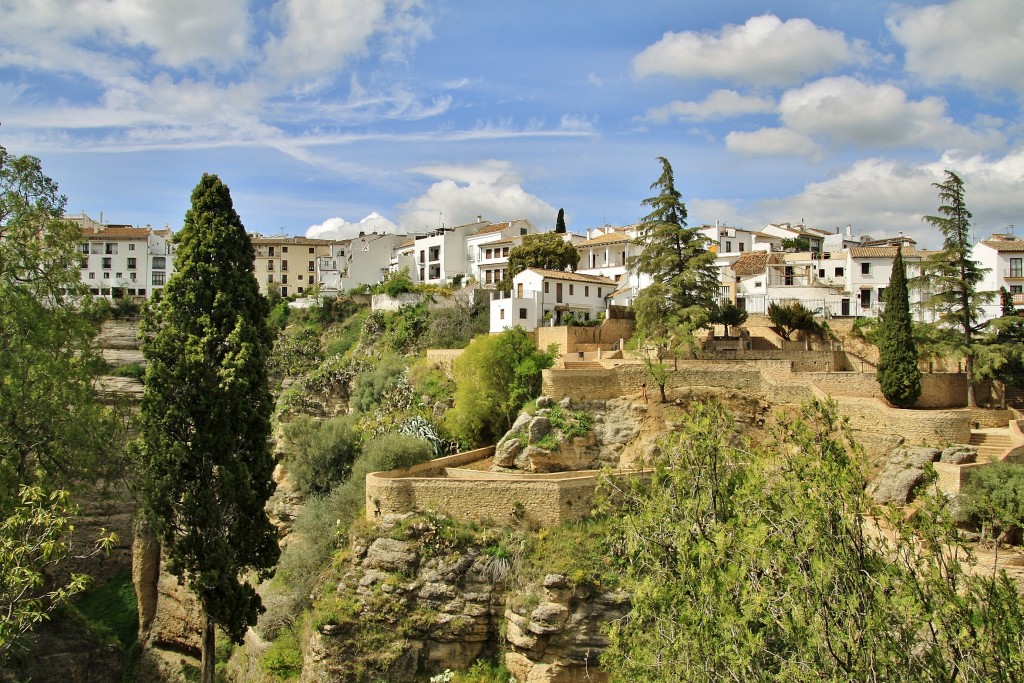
(507, 451)
(959, 455)
(390, 555)
(540, 426)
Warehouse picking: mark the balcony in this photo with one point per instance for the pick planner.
(1013, 273)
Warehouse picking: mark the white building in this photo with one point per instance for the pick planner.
(121, 260)
(487, 249)
(552, 294)
(1003, 257)
(369, 259)
(728, 242)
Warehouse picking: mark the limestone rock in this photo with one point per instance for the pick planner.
(390, 555)
(903, 471)
(544, 402)
(959, 454)
(506, 452)
(540, 426)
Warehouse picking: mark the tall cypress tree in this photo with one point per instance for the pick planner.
(560, 221)
(898, 372)
(205, 418)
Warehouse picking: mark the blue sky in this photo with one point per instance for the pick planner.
(328, 116)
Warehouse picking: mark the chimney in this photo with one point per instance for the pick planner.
(849, 230)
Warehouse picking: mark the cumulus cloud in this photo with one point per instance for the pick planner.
(720, 104)
(491, 189)
(340, 229)
(883, 197)
(979, 43)
(764, 50)
(772, 142)
(874, 116)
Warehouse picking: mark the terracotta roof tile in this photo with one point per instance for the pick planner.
(1005, 245)
(493, 227)
(608, 238)
(882, 252)
(575, 277)
(116, 233)
(754, 263)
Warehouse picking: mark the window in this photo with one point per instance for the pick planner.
(84, 263)
(119, 276)
(159, 277)
(435, 254)
(158, 262)
(840, 272)
(487, 254)
(522, 231)
(586, 291)
(284, 291)
(599, 293)
(741, 247)
(131, 276)
(106, 262)
(92, 276)
(435, 272)
(865, 298)
(821, 272)
(83, 248)
(421, 273)
(865, 269)
(570, 290)
(546, 290)
(301, 280)
(131, 262)
(311, 267)
(881, 293)
(141, 292)
(487, 277)
(504, 252)
(270, 251)
(284, 250)
(300, 290)
(284, 265)
(284, 278)
(728, 246)
(270, 265)
(501, 313)
(1015, 267)
(757, 284)
(131, 246)
(522, 314)
(111, 248)
(311, 251)
(1016, 289)
(422, 259)
(95, 248)
(270, 277)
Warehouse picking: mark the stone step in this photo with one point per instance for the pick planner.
(582, 365)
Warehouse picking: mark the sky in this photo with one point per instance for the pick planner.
(327, 117)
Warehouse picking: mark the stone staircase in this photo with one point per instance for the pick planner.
(1015, 398)
(991, 443)
(582, 365)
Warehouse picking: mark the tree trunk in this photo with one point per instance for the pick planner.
(209, 660)
(664, 398)
(969, 369)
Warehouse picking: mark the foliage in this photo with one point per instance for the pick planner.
(793, 317)
(994, 497)
(283, 659)
(796, 244)
(371, 385)
(898, 373)
(54, 434)
(481, 671)
(396, 284)
(727, 315)
(279, 313)
(35, 536)
(455, 327)
(422, 428)
(431, 381)
(399, 331)
(677, 258)
(1000, 353)
(560, 222)
(764, 563)
(494, 377)
(205, 418)
(952, 277)
(320, 454)
(343, 338)
(132, 370)
(113, 606)
(296, 350)
(547, 250)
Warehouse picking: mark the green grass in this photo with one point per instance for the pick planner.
(133, 370)
(113, 606)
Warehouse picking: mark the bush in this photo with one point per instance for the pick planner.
(371, 385)
(320, 454)
(993, 497)
(133, 370)
(296, 350)
(113, 606)
(284, 658)
(454, 328)
(793, 317)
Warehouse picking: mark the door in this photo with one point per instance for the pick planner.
(558, 292)
(519, 290)
(845, 307)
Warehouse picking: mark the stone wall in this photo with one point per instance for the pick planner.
(574, 339)
(938, 390)
(479, 496)
(879, 427)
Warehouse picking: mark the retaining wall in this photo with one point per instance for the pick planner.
(485, 497)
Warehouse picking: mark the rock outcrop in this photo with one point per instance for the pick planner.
(903, 470)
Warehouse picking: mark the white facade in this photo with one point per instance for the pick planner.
(369, 259)
(537, 292)
(726, 241)
(121, 260)
(488, 248)
(441, 255)
(1003, 257)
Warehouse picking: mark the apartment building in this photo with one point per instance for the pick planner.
(546, 297)
(288, 265)
(122, 260)
(1002, 257)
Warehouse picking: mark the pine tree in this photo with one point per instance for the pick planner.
(676, 257)
(952, 276)
(560, 222)
(898, 372)
(205, 418)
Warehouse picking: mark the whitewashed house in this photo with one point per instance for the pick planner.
(487, 249)
(370, 259)
(121, 260)
(545, 297)
(440, 255)
(1003, 257)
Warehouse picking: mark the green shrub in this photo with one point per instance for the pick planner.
(993, 497)
(284, 658)
(133, 370)
(296, 350)
(113, 606)
(320, 454)
(372, 384)
(345, 336)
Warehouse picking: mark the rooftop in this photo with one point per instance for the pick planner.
(575, 277)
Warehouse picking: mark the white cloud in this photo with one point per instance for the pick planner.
(883, 197)
(491, 189)
(340, 229)
(718, 105)
(764, 50)
(874, 116)
(772, 142)
(974, 42)
(320, 36)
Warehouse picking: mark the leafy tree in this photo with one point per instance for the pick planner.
(994, 496)
(767, 563)
(547, 250)
(495, 376)
(205, 418)
(55, 436)
(560, 222)
(793, 317)
(678, 259)
(1000, 353)
(796, 243)
(321, 453)
(952, 276)
(898, 373)
(727, 315)
(655, 353)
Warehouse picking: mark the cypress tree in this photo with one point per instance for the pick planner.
(205, 418)
(560, 221)
(898, 373)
